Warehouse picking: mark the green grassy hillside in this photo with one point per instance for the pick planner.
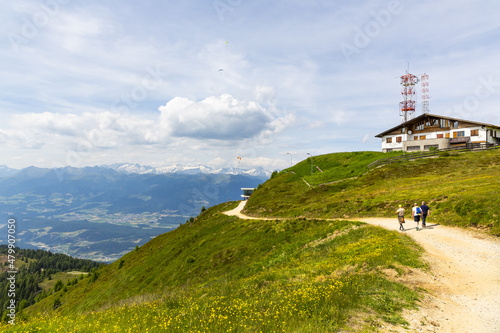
(460, 188)
(220, 273)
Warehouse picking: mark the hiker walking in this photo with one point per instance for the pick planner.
(425, 212)
(401, 217)
(416, 212)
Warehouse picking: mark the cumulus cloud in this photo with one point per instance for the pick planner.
(48, 122)
(217, 117)
(214, 118)
(99, 130)
(18, 138)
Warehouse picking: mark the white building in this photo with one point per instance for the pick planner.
(247, 192)
(428, 130)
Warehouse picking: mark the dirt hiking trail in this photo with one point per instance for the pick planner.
(463, 283)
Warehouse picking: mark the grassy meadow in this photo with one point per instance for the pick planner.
(461, 189)
(223, 274)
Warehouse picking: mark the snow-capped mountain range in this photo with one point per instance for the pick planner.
(131, 168)
(191, 170)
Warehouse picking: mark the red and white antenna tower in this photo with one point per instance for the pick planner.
(407, 104)
(424, 81)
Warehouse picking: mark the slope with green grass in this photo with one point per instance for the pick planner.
(221, 273)
(460, 188)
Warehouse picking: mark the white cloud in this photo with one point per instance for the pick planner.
(214, 118)
(98, 130)
(19, 138)
(217, 117)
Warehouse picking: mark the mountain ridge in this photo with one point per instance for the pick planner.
(136, 168)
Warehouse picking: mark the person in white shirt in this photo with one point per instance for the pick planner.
(416, 212)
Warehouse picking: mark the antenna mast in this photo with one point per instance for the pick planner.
(424, 79)
(407, 104)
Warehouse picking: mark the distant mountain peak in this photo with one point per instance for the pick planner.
(128, 168)
(5, 171)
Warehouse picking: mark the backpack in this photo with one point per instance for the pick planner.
(419, 211)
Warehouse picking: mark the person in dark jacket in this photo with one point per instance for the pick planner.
(425, 212)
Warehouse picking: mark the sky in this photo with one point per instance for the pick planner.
(232, 83)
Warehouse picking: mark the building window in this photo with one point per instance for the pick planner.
(403, 130)
(420, 126)
(412, 148)
(458, 134)
(428, 147)
(388, 140)
(474, 133)
(399, 139)
(455, 124)
(447, 135)
(422, 137)
(440, 136)
(444, 123)
(415, 137)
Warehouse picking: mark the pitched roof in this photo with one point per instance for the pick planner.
(425, 115)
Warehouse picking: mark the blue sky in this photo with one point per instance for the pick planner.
(195, 82)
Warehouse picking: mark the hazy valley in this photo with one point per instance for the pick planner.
(101, 213)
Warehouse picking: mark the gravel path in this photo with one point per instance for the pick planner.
(463, 283)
